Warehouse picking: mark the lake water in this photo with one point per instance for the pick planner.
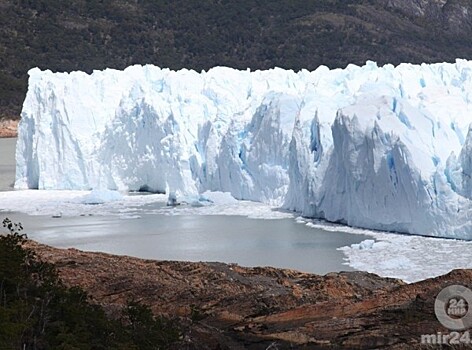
(233, 239)
(7, 163)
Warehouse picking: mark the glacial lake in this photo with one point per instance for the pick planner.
(7, 163)
(280, 243)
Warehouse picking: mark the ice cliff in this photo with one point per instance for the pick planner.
(385, 148)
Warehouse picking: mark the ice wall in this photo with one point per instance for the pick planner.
(377, 147)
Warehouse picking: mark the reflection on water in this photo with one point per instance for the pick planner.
(231, 239)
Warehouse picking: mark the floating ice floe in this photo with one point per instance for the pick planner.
(101, 196)
(408, 257)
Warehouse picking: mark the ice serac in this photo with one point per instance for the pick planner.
(387, 148)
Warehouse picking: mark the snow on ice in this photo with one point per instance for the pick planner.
(385, 148)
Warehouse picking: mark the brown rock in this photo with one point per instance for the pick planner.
(8, 128)
(229, 307)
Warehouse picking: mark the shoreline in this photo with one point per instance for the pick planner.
(131, 235)
(9, 128)
(386, 254)
(240, 307)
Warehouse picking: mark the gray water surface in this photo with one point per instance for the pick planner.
(231, 239)
(7, 163)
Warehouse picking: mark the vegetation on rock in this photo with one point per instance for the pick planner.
(38, 312)
(294, 34)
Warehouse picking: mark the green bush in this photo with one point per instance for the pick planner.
(38, 312)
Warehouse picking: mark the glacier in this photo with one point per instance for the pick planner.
(385, 148)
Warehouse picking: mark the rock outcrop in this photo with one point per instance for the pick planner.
(231, 307)
(8, 128)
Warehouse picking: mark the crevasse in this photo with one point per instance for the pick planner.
(384, 148)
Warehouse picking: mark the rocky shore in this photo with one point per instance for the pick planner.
(231, 307)
(8, 128)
